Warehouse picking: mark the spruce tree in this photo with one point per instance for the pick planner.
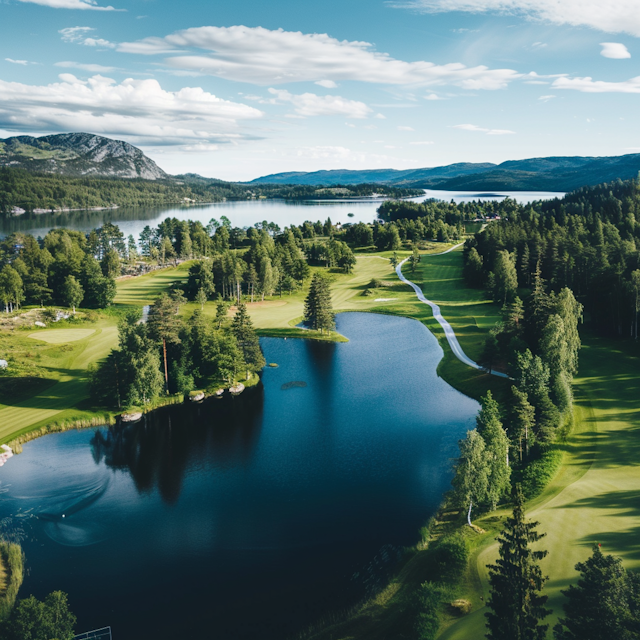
(164, 326)
(522, 418)
(318, 310)
(516, 607)
(600, 606)
(242, 329)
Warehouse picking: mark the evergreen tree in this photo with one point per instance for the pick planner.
(164, 326)
(489, 355)
(472, 270)
(318, 309)
(506, 278)
(471, 479)
(516, 607)
(247, 339)
(600, 606)
(221, 312)
(496, 448)
(522, 420)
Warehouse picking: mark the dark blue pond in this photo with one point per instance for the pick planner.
(249, 517)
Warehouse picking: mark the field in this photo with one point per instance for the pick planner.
(594, 497)
(48, 378)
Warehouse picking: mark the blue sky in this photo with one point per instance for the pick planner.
(242, 89)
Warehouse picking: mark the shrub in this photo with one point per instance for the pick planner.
(428, 598)
(449, 556)
(538, 473)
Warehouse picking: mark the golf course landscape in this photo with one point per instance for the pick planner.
(592, 499)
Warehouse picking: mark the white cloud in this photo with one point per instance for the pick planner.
(546, 98)
(310, 104)
(79, 35)
(327, 84)
(421, 142)
(379, 116)
(72, 4)
(613, 16)
(262, 56)
(614, 50)
(433, 96)
(539, 45)
(403, 128)
(140, 110)
(589, 85)
(24, 63)
(91, 68)
(489, 132)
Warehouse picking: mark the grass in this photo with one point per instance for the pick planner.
(142, 290)
(47, 382)
(58, 336)
(11, 575)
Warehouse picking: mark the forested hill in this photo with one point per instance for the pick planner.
(22, 191)
(78, 154)
(534, 174)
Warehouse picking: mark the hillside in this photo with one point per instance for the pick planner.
(533, 174)
(77, 155)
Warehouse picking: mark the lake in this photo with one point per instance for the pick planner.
(247, 517)
(245, 213)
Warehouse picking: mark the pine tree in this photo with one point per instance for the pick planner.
(248, 342)
(221, 312)
(522, 420)
(599, 607)
(164, 326)
(318, 310)
(515, 603)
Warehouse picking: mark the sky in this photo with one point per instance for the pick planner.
(237, 90)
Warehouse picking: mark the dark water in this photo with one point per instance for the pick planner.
(132, 220)
(248, 517)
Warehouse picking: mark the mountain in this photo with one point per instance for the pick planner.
(78, 154)
(534, 174)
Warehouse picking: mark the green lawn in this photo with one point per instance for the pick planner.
(141, 290)
(595, 496)
(47, 382)
(58, 336)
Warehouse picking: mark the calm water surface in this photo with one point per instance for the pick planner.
(248, 517)
(242, 214)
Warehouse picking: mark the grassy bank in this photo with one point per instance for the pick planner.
(11, 575)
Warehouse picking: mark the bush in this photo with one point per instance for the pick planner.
(428, 599)
(538, 473)
(449, 557)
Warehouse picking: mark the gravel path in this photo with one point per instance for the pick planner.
(448, 331)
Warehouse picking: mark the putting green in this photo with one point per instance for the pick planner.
(58, 336)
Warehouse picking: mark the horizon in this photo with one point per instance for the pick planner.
(251, 90)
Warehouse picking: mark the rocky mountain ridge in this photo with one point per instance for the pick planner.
(77, 155)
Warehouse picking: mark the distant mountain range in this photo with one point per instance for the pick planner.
(85, 154)
(78, 154)
(534, 174)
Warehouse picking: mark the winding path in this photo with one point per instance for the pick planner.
(448, 331)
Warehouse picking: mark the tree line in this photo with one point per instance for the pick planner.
(28, 191)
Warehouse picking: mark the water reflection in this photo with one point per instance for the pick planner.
(158, 451)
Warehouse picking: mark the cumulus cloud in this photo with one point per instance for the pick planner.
(614, 50)
(489, 132)
(310, 104)
(589, 85)
(79, 35)
(140, 110)
(91, 68)
(72, 4)
(262, 56)
(613, 16)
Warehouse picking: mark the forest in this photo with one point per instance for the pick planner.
(22, 190)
